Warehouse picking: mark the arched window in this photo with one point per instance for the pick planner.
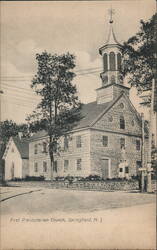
(105, 62)
(112, 61)
(119, 60)
(113, 79)
(122, 122)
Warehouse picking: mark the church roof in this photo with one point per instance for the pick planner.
(89, 113)
(22, 146)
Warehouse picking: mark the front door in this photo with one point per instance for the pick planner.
(105, 168)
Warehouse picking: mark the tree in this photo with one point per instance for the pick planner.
(139, 56)
(59, 107)
(9, 128)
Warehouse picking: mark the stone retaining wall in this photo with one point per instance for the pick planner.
(85, 185)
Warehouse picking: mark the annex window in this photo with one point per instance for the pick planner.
(44, 147)
(44, 166)
(105, 140)
(35, 148)
(36, 167)
(79, 164)
(122, 122)
(78, 141)
(138, 145)
(66, 165)
(122, 143)
(66, 143)
(55, 166)
(112, 61)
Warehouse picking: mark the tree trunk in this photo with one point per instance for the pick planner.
(52, 166)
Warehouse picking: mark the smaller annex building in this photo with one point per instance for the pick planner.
(16, 157)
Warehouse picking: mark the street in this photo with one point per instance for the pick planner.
(42, 218)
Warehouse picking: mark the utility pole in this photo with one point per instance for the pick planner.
(149, 169)
(1, 92)
(142, 176)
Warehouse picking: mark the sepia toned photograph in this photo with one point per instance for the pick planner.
(78, 124)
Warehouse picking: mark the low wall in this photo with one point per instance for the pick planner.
(108, 185)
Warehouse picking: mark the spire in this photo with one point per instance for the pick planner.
(111, 37)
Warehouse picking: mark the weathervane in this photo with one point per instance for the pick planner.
(111, 13)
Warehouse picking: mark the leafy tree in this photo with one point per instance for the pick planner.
(139, 56)
(9, 128)
(59, 107)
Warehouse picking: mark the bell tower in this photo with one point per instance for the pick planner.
(112, 83)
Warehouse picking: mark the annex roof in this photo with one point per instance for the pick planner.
(22, 146)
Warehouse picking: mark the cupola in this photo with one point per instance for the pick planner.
(112, 83)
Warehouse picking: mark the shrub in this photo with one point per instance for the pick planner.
(17, 179)
(59, 178)
(93, 178)
(34, 178)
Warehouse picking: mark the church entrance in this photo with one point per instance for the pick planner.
(105, 168)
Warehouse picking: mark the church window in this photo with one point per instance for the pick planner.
(36, 167)
(112, 61)
(121, 105)
(44, 147)
(126, 170)
(119, 59)
(110, 118)
(122, 122)
(105, 62)
(12, 150)
(138, 145)
(55, 166)
(78, 141)
(44, 166)
(66, 165)
(66, 143)
(78, 163)
(138, 165)
(122, 143)
(105, 141)
(133, 123)
(113, 79)
(105, 79)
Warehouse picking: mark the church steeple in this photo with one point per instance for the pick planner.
(111, 57)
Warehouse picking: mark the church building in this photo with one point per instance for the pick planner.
(107, 140)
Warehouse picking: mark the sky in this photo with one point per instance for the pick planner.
(80, 27)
